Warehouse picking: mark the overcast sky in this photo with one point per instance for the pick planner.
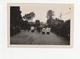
(40, 10)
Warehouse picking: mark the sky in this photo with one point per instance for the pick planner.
(41, 10)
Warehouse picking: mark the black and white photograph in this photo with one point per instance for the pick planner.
(40, 24)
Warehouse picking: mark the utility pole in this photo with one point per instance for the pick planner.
(60, 15)
(64, 14)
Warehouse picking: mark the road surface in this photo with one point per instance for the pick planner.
(36, 38)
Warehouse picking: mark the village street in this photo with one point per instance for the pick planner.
(28, 38)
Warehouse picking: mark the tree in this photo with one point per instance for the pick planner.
(23, 17)
(29, 16)
(65, 30)
(32, 14)
(50, 14)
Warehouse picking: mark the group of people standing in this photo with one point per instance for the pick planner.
(44, 30)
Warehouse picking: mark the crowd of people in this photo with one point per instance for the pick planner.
(16, 29)
(44, 30)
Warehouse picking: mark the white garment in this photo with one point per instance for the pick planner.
(43, 29)
(48, 29)
(32, 28)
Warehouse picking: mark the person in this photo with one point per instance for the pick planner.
(32, 28)
(43, 30)
(58, 29)
(48, 29)
(38, 29)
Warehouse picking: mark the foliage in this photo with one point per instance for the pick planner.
(50, 14)
(58, 26)
(61, 28)
(29, 16)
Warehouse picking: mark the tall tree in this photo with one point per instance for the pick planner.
(50, 14)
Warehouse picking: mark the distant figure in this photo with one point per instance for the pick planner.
(58, 32)
(38, 29)
(43, 30)
(48, 30)
(28, 27)
(32, 28)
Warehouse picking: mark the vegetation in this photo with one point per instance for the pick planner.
(58, 26)
(29, 16)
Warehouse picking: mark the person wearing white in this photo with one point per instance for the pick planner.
(32, 28)
(48, 29)
(43, 30)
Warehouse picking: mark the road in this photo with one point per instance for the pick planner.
(36, 38)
